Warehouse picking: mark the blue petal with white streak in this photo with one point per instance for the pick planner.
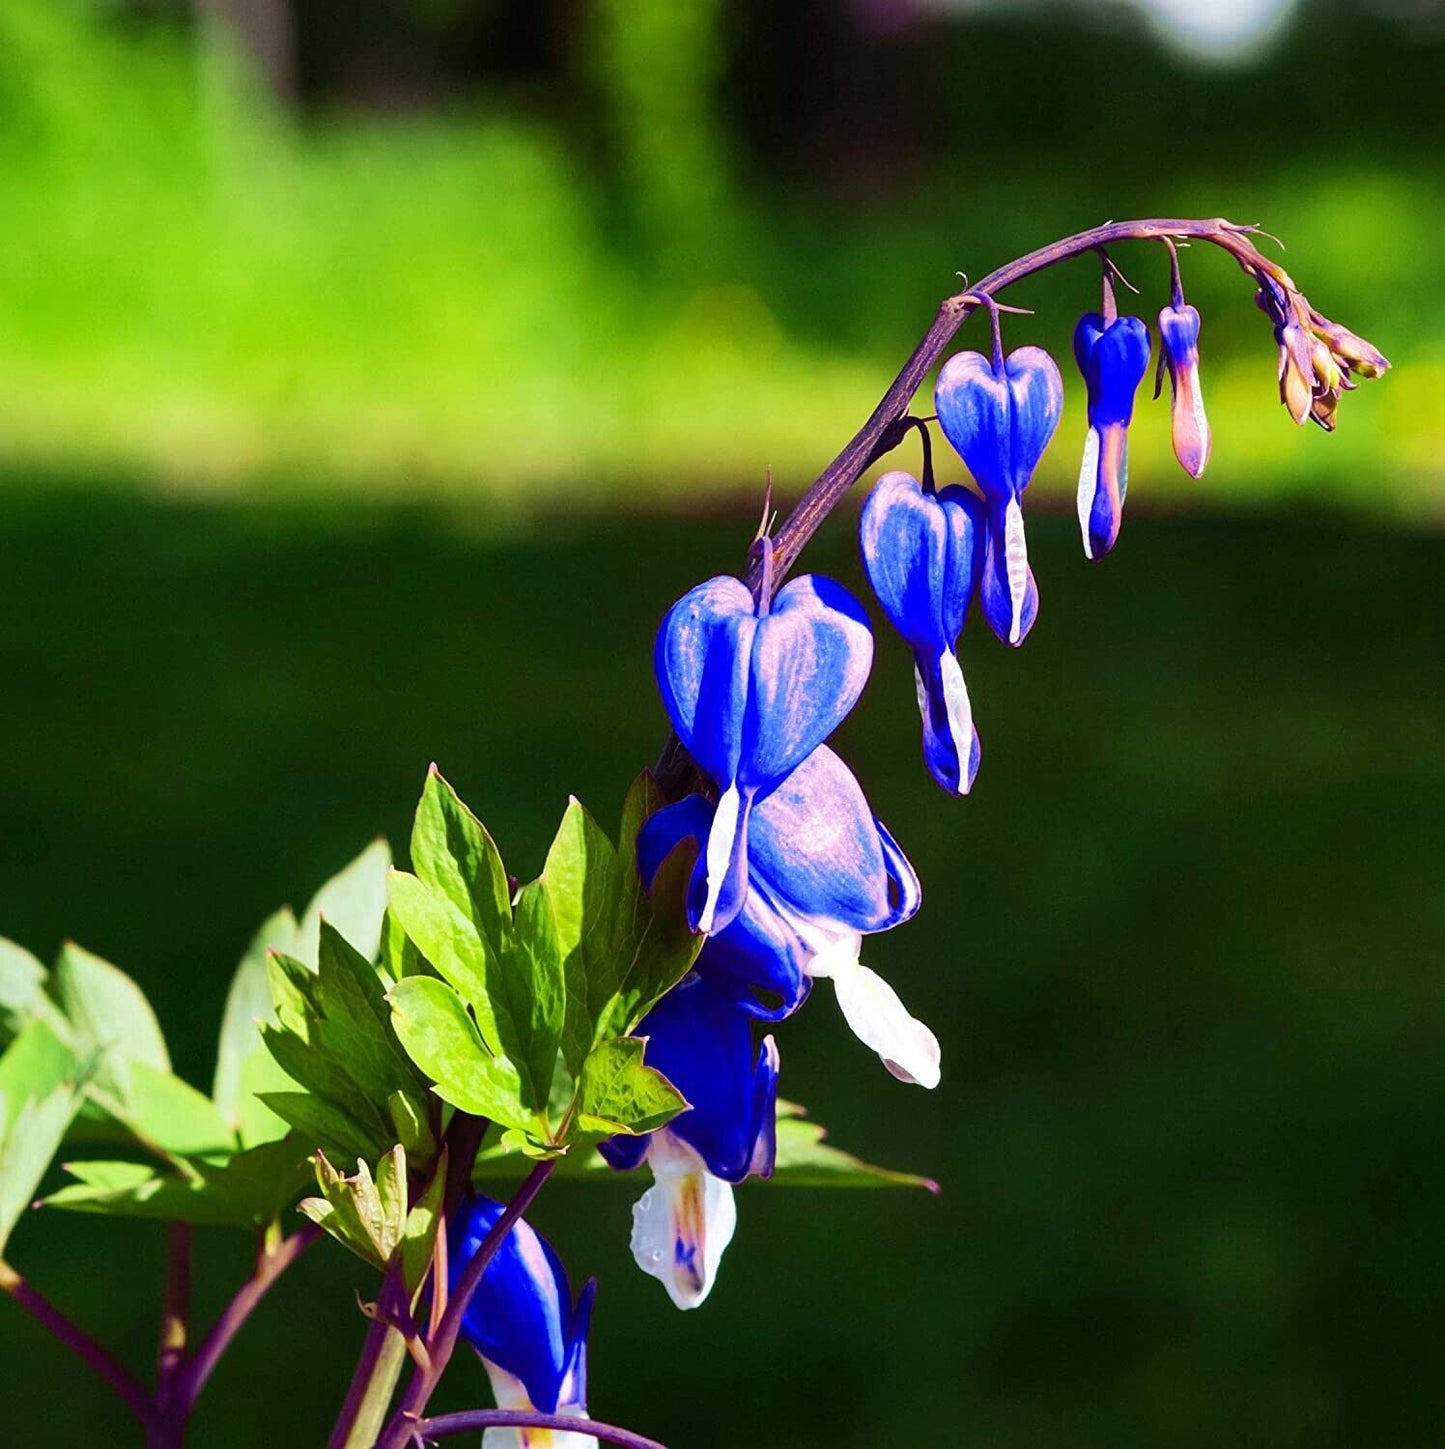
(816, 854)
(1113, 358)
(521, 1318)
(999, 421)
(751, 692)
(923, 554)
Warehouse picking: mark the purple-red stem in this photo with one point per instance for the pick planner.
(271, 1263)
(401, 1428)
(124, 1384)
(168, 1427)
(470, 1420)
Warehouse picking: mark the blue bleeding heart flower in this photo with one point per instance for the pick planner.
(999, 416)
(822, 873)
(923, 554)
(751, 691)
(700, 1038)
(1113, 357)
(1179, 350)
(523, 1323)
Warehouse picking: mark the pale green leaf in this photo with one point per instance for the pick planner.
(112, 1023)
(440, 1036)
(354, 901)
(452, 851)
(23, 996)
(247, 1004)
(617, 1092)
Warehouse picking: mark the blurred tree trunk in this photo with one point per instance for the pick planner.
(262, 31)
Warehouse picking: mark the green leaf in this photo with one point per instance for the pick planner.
(354, 901)
(413, 1130)
(531, 983)
(618, 1093)
(579, 875)
(112, 1023)
(450, 940)
(652, 947)
(451, 850)
(249, 1191)
(38, 1099)
(355, 1025)
(247, 1004)
(440, 1036)
(353, 1211)
(166, 1112)
(805, 1160)
(322, 1077)
(419, 1234)
(323, 1124)
(23, 997)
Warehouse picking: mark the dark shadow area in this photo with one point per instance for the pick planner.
(1182, 948)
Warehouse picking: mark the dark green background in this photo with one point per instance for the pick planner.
(1182, 947)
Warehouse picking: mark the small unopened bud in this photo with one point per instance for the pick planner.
(1179, 334)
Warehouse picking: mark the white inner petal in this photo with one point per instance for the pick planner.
(683, 1222)
(511, 1393)
(960, 714)
(1016, 563)
(880, 1020)
(719, 852)
(1088, 485)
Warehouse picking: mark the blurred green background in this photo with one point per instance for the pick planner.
(373, 377)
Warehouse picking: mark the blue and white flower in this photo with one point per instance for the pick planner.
(751, 690)
(822, 873)
(923, 554)
(999, 416)
(700, 1038)
(522, 1322)
(1113, 356)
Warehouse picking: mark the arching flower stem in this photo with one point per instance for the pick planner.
(886, 428)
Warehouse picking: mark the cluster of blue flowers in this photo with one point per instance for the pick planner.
(793, 869)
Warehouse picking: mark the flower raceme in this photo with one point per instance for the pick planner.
(1113, 357)
(522, 1322)
(700, 1038)
(822, 873)
(999, 416)
(752, 688)
(923, 554)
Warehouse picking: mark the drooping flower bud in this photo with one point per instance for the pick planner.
(1179, 351)
(999, 416)
(522, 1322)
(751, 691)
(1113, 356)
(923, 554)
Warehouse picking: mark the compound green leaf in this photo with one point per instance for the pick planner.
(618, 1093)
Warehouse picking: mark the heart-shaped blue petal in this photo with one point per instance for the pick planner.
(750, 696)
(1000, 422)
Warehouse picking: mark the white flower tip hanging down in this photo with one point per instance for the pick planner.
(877, 1017)
(683, 1222)
(511, 1393)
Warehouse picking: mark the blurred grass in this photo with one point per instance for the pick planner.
(1181, 946)
(203, 294)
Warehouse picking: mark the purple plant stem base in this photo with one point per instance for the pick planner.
(270, 1265)
(126, 1387)
(471, 1420)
